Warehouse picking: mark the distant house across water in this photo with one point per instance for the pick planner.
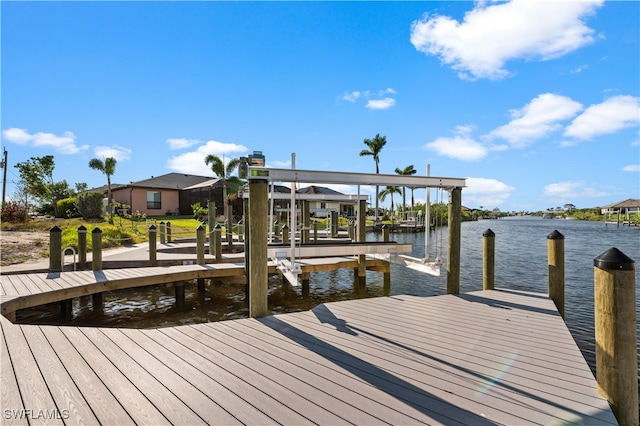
(628, 206)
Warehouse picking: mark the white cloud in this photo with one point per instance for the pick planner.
(579, 69)
(490, 36)
(488, 193)
(65, 144)
(631, 168)
(607, 117)
(351, 97)
(375, 101)
(537, 119)
(193, 162)
(386, 91)
(118, 152)
(385, 103)
(460, 147)
(570, 191)
(181, 143)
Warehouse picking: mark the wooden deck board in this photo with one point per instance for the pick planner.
(224, 381)
(157, 389)
(441, 374)
(104, 405)
(179, 380)
(9, 390)
(469, 331)
(68, 399)
(534, 355)
(306, 401)
(345, 397)
(478, 358)
(132, 399)
(34, 390)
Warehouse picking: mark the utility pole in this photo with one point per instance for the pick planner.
(4, 165)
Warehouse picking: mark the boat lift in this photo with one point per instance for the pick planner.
(288, 265)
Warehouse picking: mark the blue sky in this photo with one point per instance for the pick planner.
(535, 103)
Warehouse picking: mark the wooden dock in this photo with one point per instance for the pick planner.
(492, 357)
(20, 291)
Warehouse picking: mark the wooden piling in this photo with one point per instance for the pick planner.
(97, 302)
(334, 224)
(285, 234)
(200, 237)
(179, 291)
(315, 231)
(211, 222)
(96, 249)
(488, 259)
(555, 250)
(453, 255)
(305, 280)
(163, 232)
(306, 221)
(66, 309)
(55, 249)
(153, 244)
(258, 273)
(361, 236)
(229, 223)
(386, 279)
(217, 242)
(615, 332)
(82, 247)
(169, 238)
(276, 229)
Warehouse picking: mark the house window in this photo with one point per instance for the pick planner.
(153, 200)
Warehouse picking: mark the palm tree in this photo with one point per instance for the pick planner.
(389, 190)
(407, 171)
(375, 145)
(108, 167)
(224, 173)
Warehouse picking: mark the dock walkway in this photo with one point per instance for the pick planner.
(492, 357)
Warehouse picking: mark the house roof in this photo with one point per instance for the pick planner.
(176, 181)
(318, 190)
(629, 202)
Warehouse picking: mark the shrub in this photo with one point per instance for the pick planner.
(89, 204)
(12, 211)
(67, 208)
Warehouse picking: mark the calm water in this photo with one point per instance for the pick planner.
(521, 263)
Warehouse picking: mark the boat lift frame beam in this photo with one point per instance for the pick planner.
(317, 176)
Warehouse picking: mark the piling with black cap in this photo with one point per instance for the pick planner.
(555, 254)
(153, 243)
(615, 329)
(96, 249)
(217, 243)
(488, 259)
(55, 249)
(82, 247)
(200, 237)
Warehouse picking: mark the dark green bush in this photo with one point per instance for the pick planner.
(89, 204)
